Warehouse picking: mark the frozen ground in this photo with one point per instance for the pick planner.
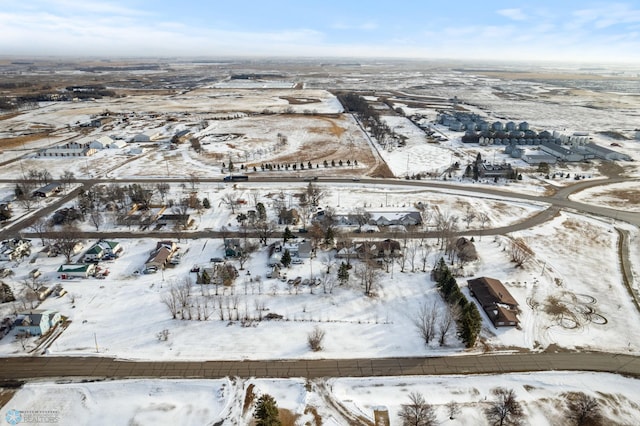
(334, 401)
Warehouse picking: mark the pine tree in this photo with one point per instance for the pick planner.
(286, 258)
(262, 212)
(287, 235)
(343, 273)
(266, 412)
(328, 236)
(206, 204)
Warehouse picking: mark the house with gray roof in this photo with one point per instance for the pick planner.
(36, 322)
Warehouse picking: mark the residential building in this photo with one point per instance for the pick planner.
(36, 322)
(496, 301)
(69, 271)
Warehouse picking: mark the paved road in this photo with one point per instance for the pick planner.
(23, 368)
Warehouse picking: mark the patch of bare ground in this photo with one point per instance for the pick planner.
(287, 418)
(382, 171)
(18, 141)
(300, 101)
(577, 232)
(9, 115)
(317, 420)
(5, 395)
(249, 397)
(610, 169)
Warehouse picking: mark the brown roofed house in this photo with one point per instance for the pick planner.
(496, 300)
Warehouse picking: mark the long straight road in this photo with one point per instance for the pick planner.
(26, 368)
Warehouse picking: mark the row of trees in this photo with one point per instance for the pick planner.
(504, 409)
(466, 313)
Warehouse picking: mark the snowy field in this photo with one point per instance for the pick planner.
(561, 299)
(333, 402)
(570, 293)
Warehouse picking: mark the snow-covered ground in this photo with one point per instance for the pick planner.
(224, 401)
(570, 293)
(355, 325)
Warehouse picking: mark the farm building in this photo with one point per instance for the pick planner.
(71, 149)
(48, 190)
(101, 143)
(605, 153)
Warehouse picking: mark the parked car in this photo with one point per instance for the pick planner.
(216, 260)
(195, 268)
(297, 261)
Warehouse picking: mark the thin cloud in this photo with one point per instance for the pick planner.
(515, 14)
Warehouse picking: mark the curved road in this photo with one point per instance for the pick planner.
(23, 368)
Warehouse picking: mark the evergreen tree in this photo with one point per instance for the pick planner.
(471, 324)
(206, 204)
(230, 165)
(343, 273)
(266, 412)
(328, 236)
(262, 212)
(287, 235)
(286, 258)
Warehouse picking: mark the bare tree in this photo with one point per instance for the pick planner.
(315, 338)
(520, 252)
(96, 219)
(67, 177)
(230, 199)
(41, 227)
(484, 219)
(411, 253)
(163, 188)
(583, 409)
(505, 408)
(417, 412)
(141, 195)
(31, 286)
(446, 320)
(368, 276)
(24, 193)
(425, 321)
(265, 230)
(453, 409)
(327, 281)
(425, 251)
(315, 194)
(67, 241)
(171, 300)
(446, 226)
(193, 180)
(361, 216)
(469, 216)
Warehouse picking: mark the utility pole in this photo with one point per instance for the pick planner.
(95, 338)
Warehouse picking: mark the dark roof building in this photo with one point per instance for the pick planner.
(496, 301)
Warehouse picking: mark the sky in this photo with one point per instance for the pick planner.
(573, 30)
